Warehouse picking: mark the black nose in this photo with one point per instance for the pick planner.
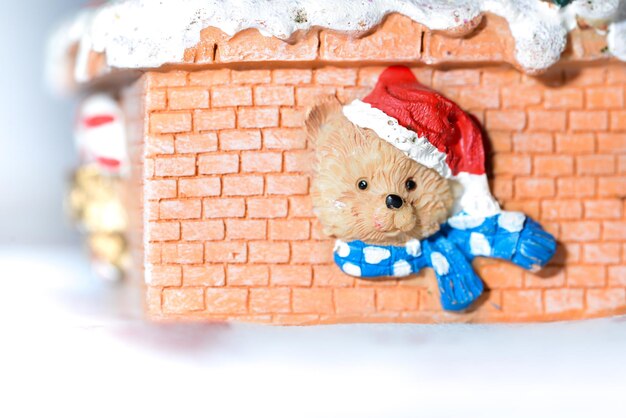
(393, 201)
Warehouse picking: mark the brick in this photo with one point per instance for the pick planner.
(571, 143)
(547, 277)
(291, 118)
(270, 300)
(224, 208)
(464, 77)
(230, 96)
(595, 164)
(500, 77)
(289, 229)
(512, 164)
(245, 229)
(522, 301)
(299, 161)
(182, 300)
(501, 141)
(257, 117)
(151, 210)
(331, 276)
(561, 209)
(313, 252)
(591, 121)
(501, 275)
(159, 144)
(214, 119)
(209, 77)
(614, 143)
(618, 120)
(292, 76)
(251, 76)
(291, 275)
(227, 301)
(248, 275)
(602, 253)
(243, 185)
(617, 276)
(159, 189)
(394, 42)
(506, 120)
(180, 209)
(308, 96)
(532, 142)
(167, 123)
(316, 300)
(580, 231)
(288, 184)
(175, 166)
(603, 209)
(182, 253)
(207, 275)
(164, 275)
(225, 252)
(612, 186)
(167, 79)
(396, 299)
(268, 252)
(586, 276)
(368, 76)
(202, 230)
(335, 76)
(534, 187)
(604, 98)
(563, 98)
(163, 231)
(547, 120)
(261, 162)
(585, 76)
(616, 74)
(218, 163)
(188, 98)
(599, 300)
(153, 301)
(553, 165)
(614, 231)
(621, 164)
(240, 139)
(199, 187)
(284, 139)
(519, 96)
(196, 143)
(155, 100)
(563, 300)
(359, 300)
(267, 207)
(274, 96)
(300, 207)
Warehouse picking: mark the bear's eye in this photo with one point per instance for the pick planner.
(410, 185)
(362, 184)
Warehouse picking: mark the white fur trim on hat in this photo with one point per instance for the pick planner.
(415, 147)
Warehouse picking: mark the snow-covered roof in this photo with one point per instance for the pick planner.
(141, 34)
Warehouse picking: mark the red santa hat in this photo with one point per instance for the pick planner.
(430, 129)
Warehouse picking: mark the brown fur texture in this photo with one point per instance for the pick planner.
(346, 154)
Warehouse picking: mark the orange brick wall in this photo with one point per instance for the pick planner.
(230, 233)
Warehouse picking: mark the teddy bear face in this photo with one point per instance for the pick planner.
(366, 189)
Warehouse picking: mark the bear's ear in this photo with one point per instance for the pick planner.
(323, 118)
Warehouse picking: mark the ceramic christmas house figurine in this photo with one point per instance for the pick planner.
(468, 155)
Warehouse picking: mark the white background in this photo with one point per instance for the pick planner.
(36, 151)
(74, 347)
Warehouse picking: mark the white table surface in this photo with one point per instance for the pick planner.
(72, 344)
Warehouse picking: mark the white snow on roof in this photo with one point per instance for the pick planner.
(150, 33)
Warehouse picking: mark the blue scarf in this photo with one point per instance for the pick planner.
(509, 235)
